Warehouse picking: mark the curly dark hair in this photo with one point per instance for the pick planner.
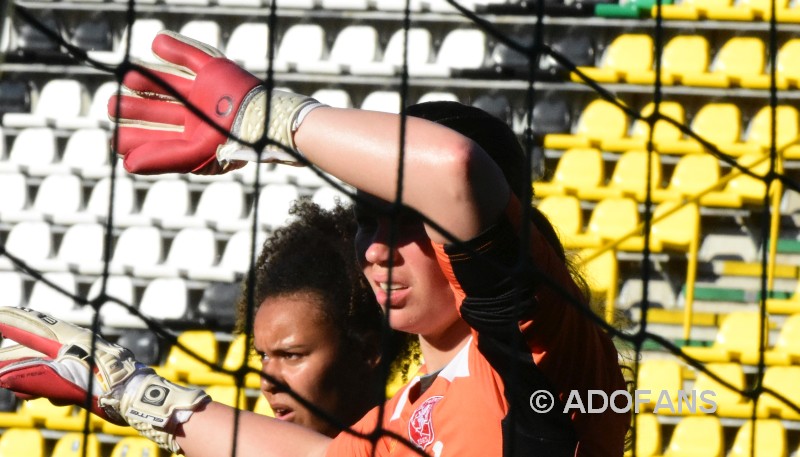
(315, 253)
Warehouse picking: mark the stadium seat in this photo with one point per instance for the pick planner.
(16, 96)
(746, 10)
(460, 49)
(301, 43)
(97, 113)
(648, 436)
(691, 10)
(786, 350)
(770, 439)
(789, 305)
(135, 446)
(166, 200)
(226, 394)
(248, 45)
(93, 34)
(72, 445)
(736, 340)
(192, 248)
(137, 247)
(97, 207)
(59, 99)
(60, 304)
(204, 31)
(629, 178)
(578, 169)
(565, 214)
(439, 96)
(683, 55)
(144, 343)
(33, 151)
(327, 196)
(82, 248)
(730, 403)
(640, 130)
(141, 34)
(692, 175)
(599, 121)
(757, 137)
(602, 273)
(233, 361)
(627, 53)
(22, 442)
(338, 98)
(716, 123)
(34, 413)
(12, 285)
(220, 203)
(57, 196)
(496, 104)
(611, 220)
(14, 189)
(217, 306)
(235, 258)
(274, 203)
(165, 299)
(676, 227)
(113, 314)
(695, 436)
(353, 45)
(737, 59)
(387, 101)
(419, 53)
(782, 380)
(31, 45)
(28, 241)
(787, 71)
(180, 365)
(551, 114)
(86, 154)
(660, 376)
(741, 189)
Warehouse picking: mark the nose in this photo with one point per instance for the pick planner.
(380, 250)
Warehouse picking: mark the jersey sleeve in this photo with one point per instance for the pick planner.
(350, 445)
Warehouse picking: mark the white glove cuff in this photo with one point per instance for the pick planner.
(155, 407)
(287, 112)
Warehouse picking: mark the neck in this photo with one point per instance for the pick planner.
(439, 349)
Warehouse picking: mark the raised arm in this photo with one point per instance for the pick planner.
(446, 176)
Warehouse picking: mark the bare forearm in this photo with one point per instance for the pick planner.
(210, 433)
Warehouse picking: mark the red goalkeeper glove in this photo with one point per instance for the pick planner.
(159, 134)
(52, 361)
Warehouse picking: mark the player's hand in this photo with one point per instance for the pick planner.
(52, 360)
(159, 134)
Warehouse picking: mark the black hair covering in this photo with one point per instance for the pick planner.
(489, 132)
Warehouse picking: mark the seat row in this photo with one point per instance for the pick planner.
(690, 60)
(605, 125)
(31, 442)
(580, 173)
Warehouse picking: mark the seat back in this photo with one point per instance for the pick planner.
(613, 218)
(770, 439)
(694, 173)
(739, 57)
(718, 123)
(685, 54)
(580, 168)
(629, 52)
(697, 435)
(602, 119)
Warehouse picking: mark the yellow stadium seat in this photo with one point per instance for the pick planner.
(787, 69)
(600, 120)
(233, 361)
(697, 436)
(745, 10)
(135, 446)
(22, 442)
(737, 59)
(716, 123)
(690, 10)
(72, 444)
(660, 375)
(742, 189)
(782, 380)
(789, 305)
(33, 413)
(786, 350)
(602, 274)
(758, 135)
(629, 178)
(682, 55)
(693, 174)
(612, 219)
(626, 53)
(565, 214)
(730, 403)
(262, 407)
(770, 439)
(679, 229)
(180, 364)
(227, 396)
(648, 436)
(736, 340)
(640, 131)
(577, 169)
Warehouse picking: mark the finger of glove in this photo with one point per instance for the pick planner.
(152, 80)
(169, 156)
(39, 331)
(136, 110)
(130, 138)
(183, 51)
(16, 353)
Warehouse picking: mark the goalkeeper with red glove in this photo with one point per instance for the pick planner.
(464, 263)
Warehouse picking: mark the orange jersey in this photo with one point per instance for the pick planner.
(479, 404)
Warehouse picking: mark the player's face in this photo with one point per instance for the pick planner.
(301, 348)
(418, 298)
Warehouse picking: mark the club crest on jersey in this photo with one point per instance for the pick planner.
(420, 426)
